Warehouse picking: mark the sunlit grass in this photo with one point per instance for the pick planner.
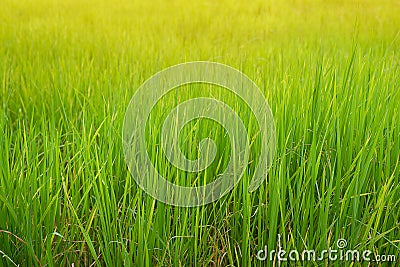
(329, 71)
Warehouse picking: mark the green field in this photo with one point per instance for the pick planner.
(329, 70)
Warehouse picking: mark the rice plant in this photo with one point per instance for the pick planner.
(329, 70)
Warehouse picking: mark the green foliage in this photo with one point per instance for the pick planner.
(329, 71)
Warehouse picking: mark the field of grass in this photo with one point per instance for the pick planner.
(330, 71)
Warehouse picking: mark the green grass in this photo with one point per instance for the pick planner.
(330, 71)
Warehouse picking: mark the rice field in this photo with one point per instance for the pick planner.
(329, 71)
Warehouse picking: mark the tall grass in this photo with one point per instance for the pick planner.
(329, 71)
